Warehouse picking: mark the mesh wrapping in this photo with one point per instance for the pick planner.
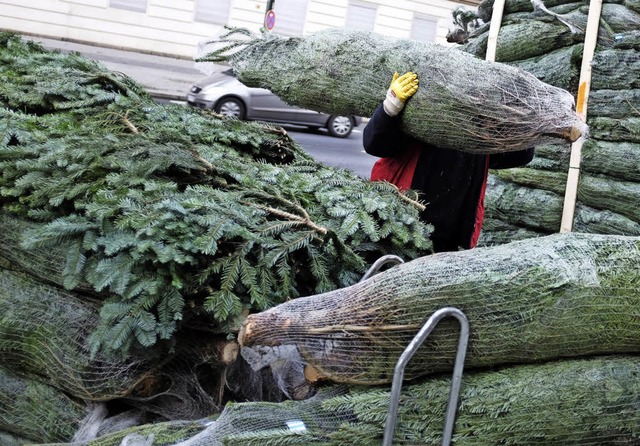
(43, 265)
(166, 433)
(260, 421)
(463, 102)
(36, 411)
(537, 299)
(549, 44)
(570, 402)
(43, 335)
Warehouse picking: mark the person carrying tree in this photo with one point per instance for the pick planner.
(452, 183)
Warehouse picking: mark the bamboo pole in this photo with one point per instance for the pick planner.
(494, 30)
(590, 41)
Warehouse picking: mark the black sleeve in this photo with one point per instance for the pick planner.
(382, 136)
(508, 160)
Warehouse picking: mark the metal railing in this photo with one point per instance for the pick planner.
(398, 376)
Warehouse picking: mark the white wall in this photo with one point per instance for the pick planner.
(164, 29)
(168, 27)
(394, 20)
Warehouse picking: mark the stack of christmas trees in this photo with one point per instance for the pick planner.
(548, 42)
(136, 236)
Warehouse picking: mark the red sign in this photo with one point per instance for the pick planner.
(270, 20)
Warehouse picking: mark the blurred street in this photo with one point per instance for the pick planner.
(169, 79)
(163, 77)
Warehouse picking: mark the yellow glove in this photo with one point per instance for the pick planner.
(401, 89)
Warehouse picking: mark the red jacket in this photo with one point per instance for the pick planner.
(452, 183)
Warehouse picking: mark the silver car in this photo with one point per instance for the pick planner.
(225, 94)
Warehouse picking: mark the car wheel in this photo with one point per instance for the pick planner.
(230, 107)
(340, 126)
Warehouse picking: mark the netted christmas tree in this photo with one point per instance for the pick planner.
(533, 300)
(463, 103)
(577, 402)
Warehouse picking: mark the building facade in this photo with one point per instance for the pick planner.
(175, 27)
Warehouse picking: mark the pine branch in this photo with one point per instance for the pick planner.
(303, 220)
(155, 205)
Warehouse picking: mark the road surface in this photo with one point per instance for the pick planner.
(346, 153)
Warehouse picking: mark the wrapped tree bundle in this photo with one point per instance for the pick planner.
(514, 210)
(616, 16)
(168, 433)
(517, 207)
(36, 411)
(594, 191)
(526, 40)
(614, 159)
(606, 72)
(571, 402)
(618, 160)
(520, 206)
(610, 129)
(545, 67)
(606, 203)
(44, 336)
(616, 104)
(589, 220)
(463, 102)
(536, 299)
(498, 232)
(48, 267)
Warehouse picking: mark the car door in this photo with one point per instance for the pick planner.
(269, 107)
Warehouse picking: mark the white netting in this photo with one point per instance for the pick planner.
(36, 411)
(43, 334)
(286, 419)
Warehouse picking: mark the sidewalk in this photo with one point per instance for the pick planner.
(163, 77)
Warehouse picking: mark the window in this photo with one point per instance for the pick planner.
(131, 5)
(212, 11)
(424, 28)
(290, 16)
(361, 16)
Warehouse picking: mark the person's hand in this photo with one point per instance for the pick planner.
(401, 89)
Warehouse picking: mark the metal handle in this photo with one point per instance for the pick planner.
(398, 376)
(379, 264)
